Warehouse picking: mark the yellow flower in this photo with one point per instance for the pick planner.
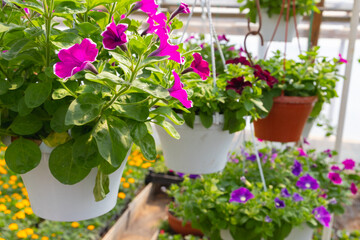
(29, 231)
(53, 235)
(2, 200)
(131, 180)
(3, 170)
(13, 227)
(2, 162)
(122, 179)
(19, 215)
(1, 182)
(6, 186)
(7, 211)
(20, 205)
(20, 184)
(16, 196)
(121, 195)
(44, 238)
(11, 182)
(132, 163)
(26, 202)
(13, 177)
(35, 236)
(91, 227)
(28, 210)
(75, 224)
(126, 185)
(2, 238)
(21, 234)
(146, 165)
(2, 207)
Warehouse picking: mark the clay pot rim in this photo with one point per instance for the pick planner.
(295, 99)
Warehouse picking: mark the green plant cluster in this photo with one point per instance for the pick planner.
(303, 7)
(311, 75)
(90, 120)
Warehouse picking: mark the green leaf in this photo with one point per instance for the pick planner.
(113, 140)
(26, 125)
(153, 89)
(206, 119)
(168, 127)
(189, 118)
(248, 104)
(57, 123)
(16, 47)
(23, 108)
(139, 131)
(4, 27)
(123, 61)
(258, 104)
(66, 40)
(22, 155)
(60, 93)
(31, 4)
(87, 28)
(85, 151)
(68, 7)
(111, 78)
(101, 187)
(37, 93)
(151, 60)
(84, 109)
(4, 86)
(147, 146)
(138, 112)
(63, 167)
(137, 45)
(169, 113)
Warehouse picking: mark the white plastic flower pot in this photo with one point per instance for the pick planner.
(303, 232)
(199, 150)
(269, 24)
(53, 200)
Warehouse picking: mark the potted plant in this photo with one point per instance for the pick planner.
(217, 112)
(85, 93)
(230, 204)
(304, 86)
(270, 13)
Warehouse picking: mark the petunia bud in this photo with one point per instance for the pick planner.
(183, 8)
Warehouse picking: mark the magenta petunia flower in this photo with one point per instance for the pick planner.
(222, 37)
(202, 45)
(279, 203)
(232, 48)
(307, 182)
(177, 91)
(341, 59)
(238, 84)
(188, 39)
(335, 178)
(353, 188)
(322, 215)
(297, 197)
(328, 152)
(241, 195)
(306, 141)
(76, 58)
(167, 49)
(27, 11)
(200, 66)
(323, 195)
(296, 168)
(147, 6)
(285, 193)
(157, 22)
(183, 8)
(349, 164)
(241, 60)
(114, 36)
(302, 153)
(335, 168)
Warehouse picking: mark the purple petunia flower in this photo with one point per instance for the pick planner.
(335, 168)
(322, 215)
(268, 219)
(147, 6)
(296, 168)
(114, 36)
(243, 179)
(285, 193)
(279, 203)
(200, 66)
(177, 91)
(328, 152)
(302, 153)
(341, 59)
(238, 84)
(183, 8)
(166, 49)
(335, 178)
(333, 201)
(252, 157)
(307, 182)
(222, 37)
(241, 195)
(297, 197)
(349, 164)
(306, 141)
(76, 58)
(353, 188)
(273, 157)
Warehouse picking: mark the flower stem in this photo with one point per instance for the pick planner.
(67, 89)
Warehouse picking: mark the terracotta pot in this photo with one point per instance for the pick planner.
(286, 119)
(177, 225)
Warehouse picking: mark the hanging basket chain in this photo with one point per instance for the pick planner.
(211, 42)
(188, 21)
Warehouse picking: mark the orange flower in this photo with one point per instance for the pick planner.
(126, 185)
(6, 186)
(122, 179)
(21, 234)
(35, 236)
(13, 227)
(2, 207)
(44, 238)
(75, 224)
(91, 227)
(131, 180)
(20, 205)
(29, 231)
(28, 210)
(121, 195)
(146, 165)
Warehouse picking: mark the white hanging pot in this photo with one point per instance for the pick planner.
(55, 201)
(199, 150)
(302, 232)
(269, 24)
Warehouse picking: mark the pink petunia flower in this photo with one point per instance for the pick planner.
(177, 91)
(232, 48)
(183, 8)
(353, 188)
(157, 21)
(335, 168)
(122, 16)
(302, 153)
(328, 152)
(147, 6)
(27, 11)
(200, 66)
(349, 164)
(76, 58)
(306, 141)
(335, 178)
(341, 59)
(222, 37)
(114, 36)
(167, 49)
